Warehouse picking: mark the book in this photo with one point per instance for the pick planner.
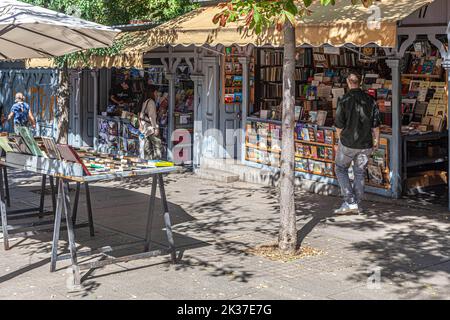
(408, 105)
(312, 135)
(311, 93)
(329, 135)
(329, 153)
(51, 148)
(329, 169)
(313, 116)
(415, 85)
(431, 109)
(307, 151)
(298, 113)
(421, 108)
(69, 154)
(29, 141)
(314, 152)
(428, 67)
(320, 136)
(440, 110)
(426, 120)
(321, 152)
(321, 118)
(375, 174)
(4, 145)
(18, 145)
(437, 123)
(305, 134)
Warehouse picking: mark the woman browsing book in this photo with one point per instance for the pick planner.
(149, 128)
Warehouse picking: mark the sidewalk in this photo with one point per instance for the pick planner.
(407, 248)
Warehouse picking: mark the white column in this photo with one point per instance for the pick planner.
(213, 138)
(197, 137)
(170, 125)
(396, 143)
(94, 75)
(446, 65)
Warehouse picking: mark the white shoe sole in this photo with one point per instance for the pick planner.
(349, 212)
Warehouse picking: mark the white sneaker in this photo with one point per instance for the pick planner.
(347, 208)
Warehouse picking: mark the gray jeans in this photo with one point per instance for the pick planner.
(344, 158)
(150, 148)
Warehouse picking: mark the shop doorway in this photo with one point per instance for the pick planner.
(231, 104)
(82, 114)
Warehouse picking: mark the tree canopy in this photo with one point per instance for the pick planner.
(114, 12)
(118, 12)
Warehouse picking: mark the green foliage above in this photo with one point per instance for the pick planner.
(114, 12)
(118, 12)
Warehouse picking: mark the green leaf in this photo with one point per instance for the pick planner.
(307, 3)
(291, 7)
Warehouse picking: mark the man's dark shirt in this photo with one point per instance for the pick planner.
(121, 94)
(357, 114)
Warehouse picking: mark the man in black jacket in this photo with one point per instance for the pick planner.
(357, 127)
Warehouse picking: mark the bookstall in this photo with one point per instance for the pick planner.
(118, 126)
(320, 81)
(44, 157)
(238, 86)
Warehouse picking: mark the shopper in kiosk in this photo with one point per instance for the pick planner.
(149, 128)
(357, 128)
(121, 95)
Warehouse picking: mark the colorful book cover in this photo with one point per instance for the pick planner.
(298, 130)
(299, 150)
(428, 67)
(4, 145)
(311, 93)
(320, 136)
(314, 152)
(69, 154)
(312, 135)
(321, 152)
(329, 153)
(307, 151)
(305, 134)
(375, 174)
(329, 134)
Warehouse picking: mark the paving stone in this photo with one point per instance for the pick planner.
(216, 223)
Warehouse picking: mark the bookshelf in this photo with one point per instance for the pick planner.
(314, 150)
(232, 87)
(319, 80)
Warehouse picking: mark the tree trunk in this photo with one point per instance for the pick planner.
(63, 105)
(287, 239)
